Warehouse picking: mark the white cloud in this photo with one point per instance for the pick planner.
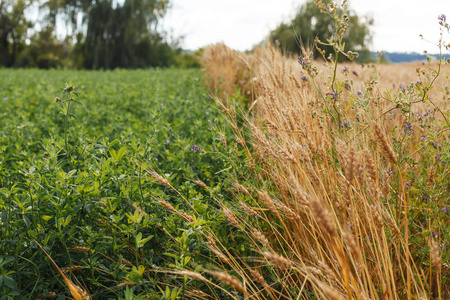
(244, 23)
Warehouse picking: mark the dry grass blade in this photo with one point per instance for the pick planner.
(77, 292)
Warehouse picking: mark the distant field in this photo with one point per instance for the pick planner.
(396, 77)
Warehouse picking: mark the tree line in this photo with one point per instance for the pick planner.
(108, 34)
(101, 34)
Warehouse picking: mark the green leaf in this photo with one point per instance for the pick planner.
(26, 220)
(9, 282)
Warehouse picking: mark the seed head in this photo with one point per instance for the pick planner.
(69, 88)
(248, 210)
(127, 262)
(201, 183)
(159, 178)
(229, 280)
(257, 277)
(242, 189)
(386, 150)
(193, 275)
(323, 218)
(435, 257)
(125, 284)
(74, 268)
(330, 293)
(268, 202)
(231, 217)
(143, 213)
(350, 243)
(187, 217)
(277, 260)
(167, 205)
(81, 249)
(260, 236)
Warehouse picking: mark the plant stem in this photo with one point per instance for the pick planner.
(66, 117)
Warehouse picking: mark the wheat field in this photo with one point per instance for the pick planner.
(351, 196)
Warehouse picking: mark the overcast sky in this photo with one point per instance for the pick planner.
(244, 23)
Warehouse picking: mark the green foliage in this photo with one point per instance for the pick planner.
(111, 35)
(187, 60)
(13, 28)
(45, 51)
(76, 176)
(123, 35)
(313, 22)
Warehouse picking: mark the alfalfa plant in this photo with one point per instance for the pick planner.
(67, 97)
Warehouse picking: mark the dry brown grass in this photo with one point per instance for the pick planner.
(227, 70)
(335, 223)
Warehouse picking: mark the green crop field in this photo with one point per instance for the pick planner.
(76, 152)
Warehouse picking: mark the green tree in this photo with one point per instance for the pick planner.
(310, 22)
(115, 34)
(44, 51)
(13, 28)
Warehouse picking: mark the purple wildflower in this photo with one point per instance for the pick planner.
(334, 95)
(347, 86)
(407, 128)
(445, 210)
(442, 18)
(407, 184)
(195, 148)
(423, 138)
(304, 78)
(211, 125)
(360, 94)
(355, 73)
(345, 69)
(303, 62)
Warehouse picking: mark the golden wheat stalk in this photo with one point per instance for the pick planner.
(77, 292)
